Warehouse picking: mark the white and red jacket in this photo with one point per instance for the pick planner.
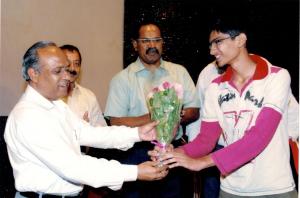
(253, 122)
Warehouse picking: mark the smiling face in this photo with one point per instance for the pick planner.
(149, 45)
(53, 78)
(75, 64)
(223, 47)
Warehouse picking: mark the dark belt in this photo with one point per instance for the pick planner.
(36, 195)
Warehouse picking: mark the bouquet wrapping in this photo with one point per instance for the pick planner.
(165, 103)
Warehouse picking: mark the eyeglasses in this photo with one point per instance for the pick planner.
(217, 42)
(149, 40)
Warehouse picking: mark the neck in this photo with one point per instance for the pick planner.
(151, 67)
(243, 70)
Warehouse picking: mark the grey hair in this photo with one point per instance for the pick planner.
(31, 58)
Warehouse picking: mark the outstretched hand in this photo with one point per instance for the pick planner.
(149, 171)
(175, 159)
(158, 151)
(147, 132)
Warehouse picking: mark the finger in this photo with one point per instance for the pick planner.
(174, 165)
(162, 167)
(162, 174)
(153, 124)
(153, 153)
(157, 148)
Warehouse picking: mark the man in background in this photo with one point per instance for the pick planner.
(126, 105)
(81, 100)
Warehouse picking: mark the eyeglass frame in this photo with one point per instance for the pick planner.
(217, 41)
(148, 40)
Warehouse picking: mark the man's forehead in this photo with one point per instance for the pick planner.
(215, 34)
(73, 54)
(149, 29)
(52, 54)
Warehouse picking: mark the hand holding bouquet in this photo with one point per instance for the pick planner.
(164, 103)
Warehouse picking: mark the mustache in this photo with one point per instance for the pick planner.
(152, 50)
(72, 72)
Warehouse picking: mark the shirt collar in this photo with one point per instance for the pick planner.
(33, 95)
(261, 69)
(139, 66)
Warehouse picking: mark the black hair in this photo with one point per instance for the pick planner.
(143, 22)
(71, 48)
(31, 58)
(229, 24)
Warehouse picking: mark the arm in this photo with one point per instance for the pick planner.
(189, 115)
(293, 118)
(191, 101)
(192, 155)
(205, 141)
(130, 121)
(258, 137)
(54, 149)
(121, 99)
(120, 137)
(252, 144)
(179, 158)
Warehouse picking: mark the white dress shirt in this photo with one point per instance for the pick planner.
(84, 100)
(43, 140)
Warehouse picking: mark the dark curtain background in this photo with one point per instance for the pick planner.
(273, 30)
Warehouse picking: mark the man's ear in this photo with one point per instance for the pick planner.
(134, 44)
(242, 39)
(33, 74)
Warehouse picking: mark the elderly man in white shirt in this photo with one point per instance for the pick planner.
(43, 136)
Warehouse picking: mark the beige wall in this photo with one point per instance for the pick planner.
(95, 26)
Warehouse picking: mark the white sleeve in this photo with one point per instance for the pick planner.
(293, 118)
(56, 145)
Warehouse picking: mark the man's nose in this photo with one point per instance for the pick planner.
(72, 67)
(151, 44)
(212, 49)
(67, 73)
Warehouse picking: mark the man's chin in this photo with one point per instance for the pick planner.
(152, 61)
(63, 92)
(220, 64)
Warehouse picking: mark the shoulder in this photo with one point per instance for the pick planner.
(174, 66)
(28, 112)
(210, 69)
(125, 73)
(208, 73)
(279, 73)
(85, 91)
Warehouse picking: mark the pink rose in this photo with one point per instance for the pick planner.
(179, 90)
(155, 89)
(166, 85)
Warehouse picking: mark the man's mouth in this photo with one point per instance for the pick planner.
(152, 51)
(64, 84)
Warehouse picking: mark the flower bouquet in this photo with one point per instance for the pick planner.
(164, 103)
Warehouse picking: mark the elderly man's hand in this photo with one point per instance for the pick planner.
(149, 171)
(147, 132)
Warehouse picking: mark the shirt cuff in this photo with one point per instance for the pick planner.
(130, 172)
(136, 137)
